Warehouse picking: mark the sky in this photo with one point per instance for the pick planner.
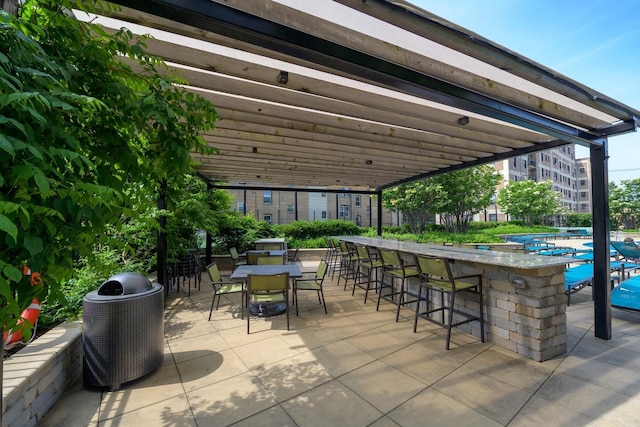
(594, 42)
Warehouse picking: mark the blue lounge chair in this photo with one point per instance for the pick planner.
(628, 250)
(578, 277)
(626, 296)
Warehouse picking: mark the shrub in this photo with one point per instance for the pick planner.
(87, 276)
(302, 230)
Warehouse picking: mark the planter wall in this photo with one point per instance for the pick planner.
(36, 376)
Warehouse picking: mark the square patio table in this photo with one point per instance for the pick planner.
(243, 271)
(266, 310)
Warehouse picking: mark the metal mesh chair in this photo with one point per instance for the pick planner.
(395, 269)
(369, 262)
(436, 276)
(267, 295)
(236, 258)
(314, 284)
(270, 260)
(221, 287)
(252, 256)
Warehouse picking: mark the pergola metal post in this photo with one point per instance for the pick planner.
(601, 258)
(244, 203)
(379, 212)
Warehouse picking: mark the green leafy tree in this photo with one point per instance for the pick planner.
(465, 193)
(77, 123)
(530, 201)
(624, 203)
(417, 201)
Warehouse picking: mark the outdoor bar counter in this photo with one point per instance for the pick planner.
(524, 297)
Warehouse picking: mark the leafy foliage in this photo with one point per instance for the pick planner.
(77, 122)
(579, 220)
(455, 195)
(317, 229)
(467, 192)
(530, 200)
(418, 202)
(624, 203)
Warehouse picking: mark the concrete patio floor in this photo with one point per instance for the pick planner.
(356, 366)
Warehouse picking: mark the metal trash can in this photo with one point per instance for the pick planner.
(123, 330)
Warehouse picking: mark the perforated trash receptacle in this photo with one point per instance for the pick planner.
(123, 328)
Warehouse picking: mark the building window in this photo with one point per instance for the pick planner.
(493, 217)
(323, 195)
(343, 211)
(240, 206)
(324, 215)
(368, 209)
(583, 194)
(357, 201)
(584, 206)
(581, 170)
(583, 182)
(266, 197)
(358, 220)
(267, 218)
(289, 208)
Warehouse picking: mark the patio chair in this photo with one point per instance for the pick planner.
(436, 276)
(252, 256)
(314, 284)
(292, 255)
(236, 258)
(626, 296)
(348, 263)
(221, 287)
(629, 254)
(369, 262)
(394, 268)
(579, 277)
(266, 296)
(331, 256)
(270, 260)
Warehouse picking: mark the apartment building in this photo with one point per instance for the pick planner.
(283, 207)
(583, 167)
(557, 165)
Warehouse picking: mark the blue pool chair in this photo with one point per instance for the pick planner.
(626, 296)
(578, 277)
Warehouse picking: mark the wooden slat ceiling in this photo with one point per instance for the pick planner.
(374, 94)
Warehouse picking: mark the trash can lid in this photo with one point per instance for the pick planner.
(125, 284)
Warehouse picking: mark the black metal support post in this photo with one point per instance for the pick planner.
(601, 258)
(295, 198)
(380, 213)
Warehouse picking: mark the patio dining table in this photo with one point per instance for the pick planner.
(267, 310)
(243, 271)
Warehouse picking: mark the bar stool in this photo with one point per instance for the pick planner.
(348, 263)
(370, 262)
(331, 256)
(436, 276)
(395, 269)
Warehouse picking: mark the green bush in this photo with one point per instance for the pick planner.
(240, 231)
(303, 230)
(511, 228)
(87, 277)
(579, 220)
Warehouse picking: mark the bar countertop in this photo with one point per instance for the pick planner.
(506, 259)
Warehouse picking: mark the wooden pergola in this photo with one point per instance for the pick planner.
(360, 96)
